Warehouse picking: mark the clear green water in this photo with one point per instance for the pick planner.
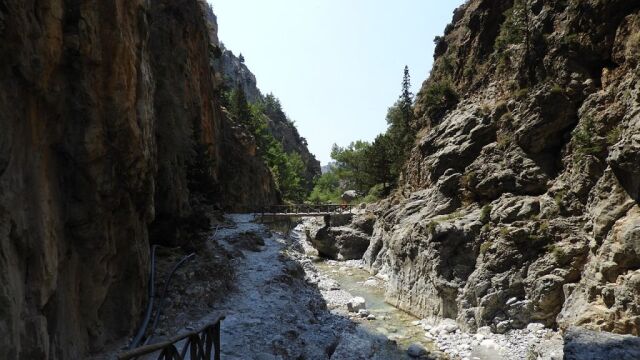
(390, 321)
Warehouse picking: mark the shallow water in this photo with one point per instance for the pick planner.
(390, 321)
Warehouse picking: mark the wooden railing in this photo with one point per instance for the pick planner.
(307, 209)
(199, 344)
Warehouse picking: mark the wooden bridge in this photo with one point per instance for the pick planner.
(303, 210)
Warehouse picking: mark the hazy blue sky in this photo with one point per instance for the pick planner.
(336, 65)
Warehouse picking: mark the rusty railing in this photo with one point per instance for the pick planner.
(199, 344)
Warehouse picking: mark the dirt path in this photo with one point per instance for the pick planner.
(277, 311)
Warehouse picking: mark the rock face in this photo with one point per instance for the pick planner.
(109, 121)
(340, 237)
(519, 202)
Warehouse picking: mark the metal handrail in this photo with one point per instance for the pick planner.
(307, 209)
(202, 344)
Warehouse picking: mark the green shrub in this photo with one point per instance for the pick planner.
(571, 40)
(558, 252)
(431, 227)
(558, 198)
(376, 193)
(521, 93)
(544, 227)
(613, 136)
(485, 213)
(556, 89)
(326, 190)
(450, 216)
(469, 71)
(585, 138)
(485, 246)
(468, 180)
(504, 231)
(440, 97)
(504, 139)
(633, 47)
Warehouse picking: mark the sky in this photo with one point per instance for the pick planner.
(335, 65)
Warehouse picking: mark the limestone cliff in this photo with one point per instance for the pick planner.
(283, 130)
(231, 72)
(519, 202)
(110, 130)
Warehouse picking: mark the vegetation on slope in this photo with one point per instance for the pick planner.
(288, 169)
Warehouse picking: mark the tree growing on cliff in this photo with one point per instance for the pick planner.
(400, 132)
(239, 107)
(406, 99)
(517, 29)
(287, 169)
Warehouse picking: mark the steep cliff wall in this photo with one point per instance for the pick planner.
(235, 72)
(232, 72)
(89, 92)
(520, 199)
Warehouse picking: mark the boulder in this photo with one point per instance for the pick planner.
(341, 243)
(416, 350)
(356, 304)
(582, 344)
(349, 195)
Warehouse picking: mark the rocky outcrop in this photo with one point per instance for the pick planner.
(109, 120)
(520, 200)
(341, 237)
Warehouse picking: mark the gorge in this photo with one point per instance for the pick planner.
(127, 124)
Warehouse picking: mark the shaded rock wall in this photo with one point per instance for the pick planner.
(89, 92)
(520, 201)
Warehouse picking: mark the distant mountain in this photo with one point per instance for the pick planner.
(326, 168)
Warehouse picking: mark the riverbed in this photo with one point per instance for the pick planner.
(288, 303)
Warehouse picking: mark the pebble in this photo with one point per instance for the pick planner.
(485, 330)
(535, 327)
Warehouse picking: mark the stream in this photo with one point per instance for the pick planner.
(390, 321)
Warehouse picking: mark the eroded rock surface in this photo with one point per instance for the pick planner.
(107, 109)
(519, 202)
(342, 237)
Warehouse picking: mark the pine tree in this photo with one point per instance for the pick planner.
(380, 164)
(241, 58)
(518, 29)
(406, 97)
(405, 103)
(239, 106)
